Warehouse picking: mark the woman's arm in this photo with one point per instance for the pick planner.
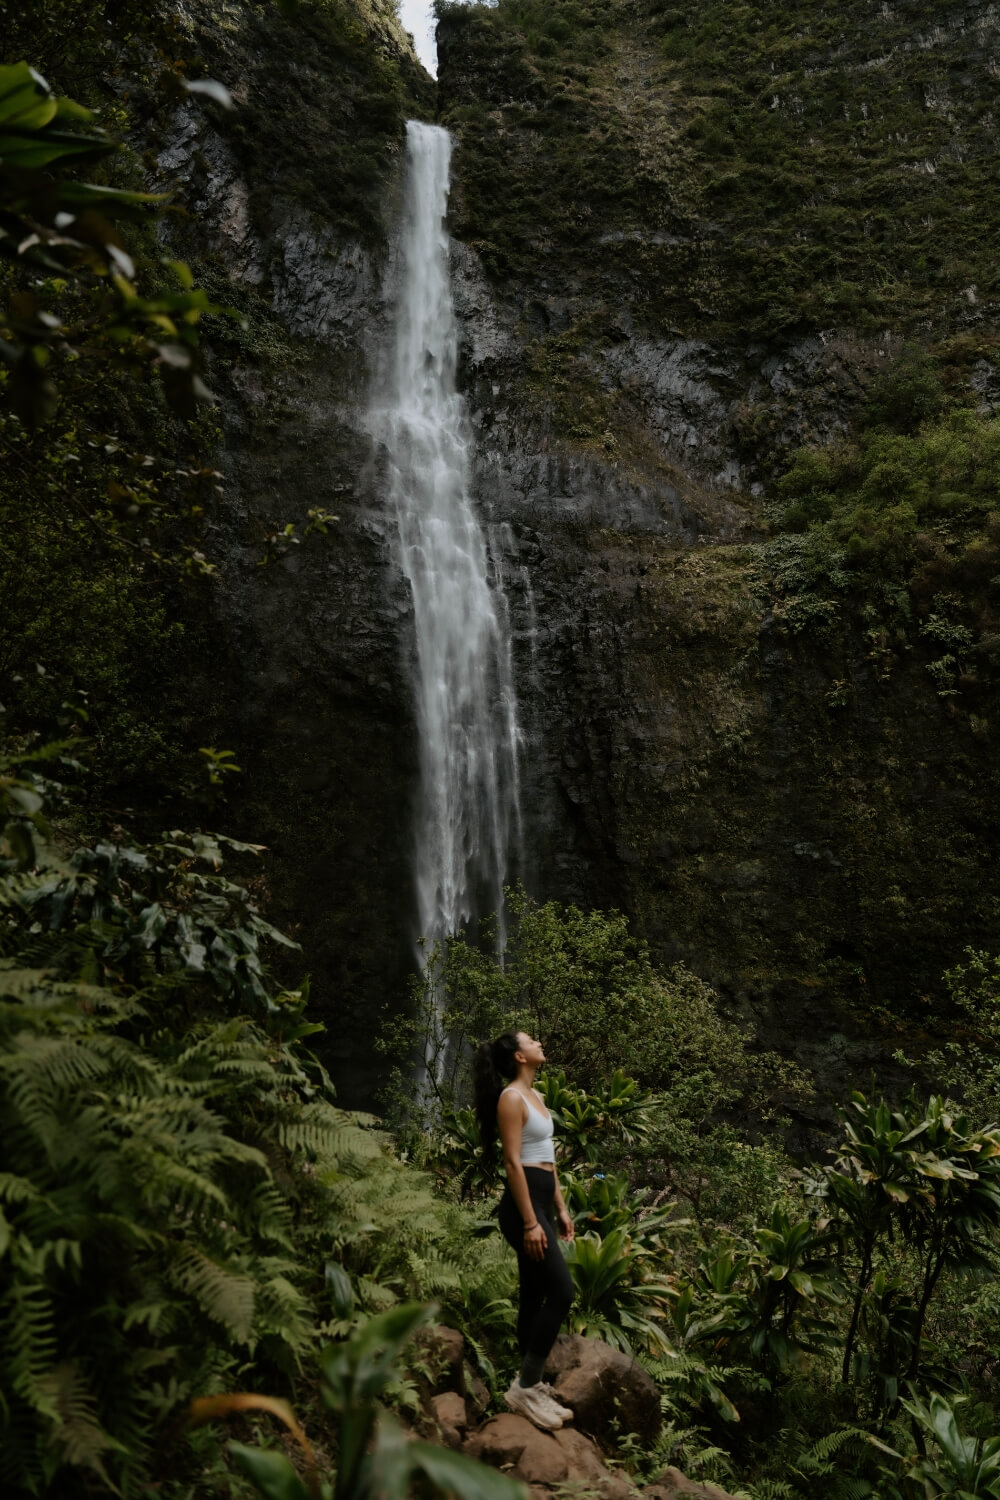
(510, 1117)
(567, 1229)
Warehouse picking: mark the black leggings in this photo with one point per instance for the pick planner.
(546, 1285)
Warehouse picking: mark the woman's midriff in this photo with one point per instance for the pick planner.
(540, 1166)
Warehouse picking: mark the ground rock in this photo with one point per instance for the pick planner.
(451, 1417)
(607, 1389)
(544, 1460)
(514, 1444)
(442, 1359)
(586, 1466)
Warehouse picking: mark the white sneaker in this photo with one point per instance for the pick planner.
(566, 1412)
(532, 1402)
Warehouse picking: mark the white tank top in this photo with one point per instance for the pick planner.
(536, 1134)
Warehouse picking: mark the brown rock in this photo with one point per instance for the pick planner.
(514, 1444)
(451, 1417)
(673, 1485)
(541, 1459)
(582, 1454)
(607, 1389)
(586, 1466)
(442, 1358)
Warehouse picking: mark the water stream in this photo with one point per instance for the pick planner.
(466, 710)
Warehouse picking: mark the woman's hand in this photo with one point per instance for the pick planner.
(567, 1229)
(536, 1242)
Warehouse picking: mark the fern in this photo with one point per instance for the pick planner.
(176, 1177)
(170, 1186)
(831, 1443)
(79, 1436)
(223, 1294)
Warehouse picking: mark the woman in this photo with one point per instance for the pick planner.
(507, 1099)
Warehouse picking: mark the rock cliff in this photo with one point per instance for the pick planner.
(673, 265)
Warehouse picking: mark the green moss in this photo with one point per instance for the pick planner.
(321, 100)
(762, 168)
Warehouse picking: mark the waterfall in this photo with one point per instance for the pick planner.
(466, 708)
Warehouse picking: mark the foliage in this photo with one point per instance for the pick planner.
(590, 991)
(924, 1175)
(751, 169)
(958, 1467)
(766, 1301)
(621, 1291)
(967, 1066)
(176, 1172)
(620, 1261)
(375, 1456)
(614, 1119)
(85, 508)
(66, 230)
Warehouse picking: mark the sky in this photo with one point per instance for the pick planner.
(417, 18)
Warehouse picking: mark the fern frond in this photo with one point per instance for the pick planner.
(269, 1212)
(832, 1442)
(433, 1273)
(331, 1133)
(15, 1189)
(77, 1433)
(184, 1187)
(28, 1339)
(225, 1295)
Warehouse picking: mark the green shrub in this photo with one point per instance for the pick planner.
(181, 1199)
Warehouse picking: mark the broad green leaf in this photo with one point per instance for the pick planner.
(271, 1472)
(461, 1476)
(21, 89)
(41, 150)
(340, 1288)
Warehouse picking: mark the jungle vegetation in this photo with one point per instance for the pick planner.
(191, 1230)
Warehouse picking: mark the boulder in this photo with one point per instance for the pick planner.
(608, 1391)
(451, 1417)
(440, 1363)
(586, 1466)
(514, 1444)
(546, 1460)
(673, 1485)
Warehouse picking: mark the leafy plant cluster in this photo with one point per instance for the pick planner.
(183, 1208)
(898, 524)
(804, 1325)
(377, 1456)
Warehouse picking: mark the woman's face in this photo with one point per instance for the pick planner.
(529, 1049)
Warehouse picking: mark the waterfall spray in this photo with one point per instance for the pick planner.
(466, 709)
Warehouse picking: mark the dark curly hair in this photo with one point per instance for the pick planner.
(494, 1066)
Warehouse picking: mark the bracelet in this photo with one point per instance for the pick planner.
(529, 1227)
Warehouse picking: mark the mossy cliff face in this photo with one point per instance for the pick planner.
(289, 211)
(757, 709)
(696, 239)
(717, 221)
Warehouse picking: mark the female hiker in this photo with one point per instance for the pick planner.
(529, 1209)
